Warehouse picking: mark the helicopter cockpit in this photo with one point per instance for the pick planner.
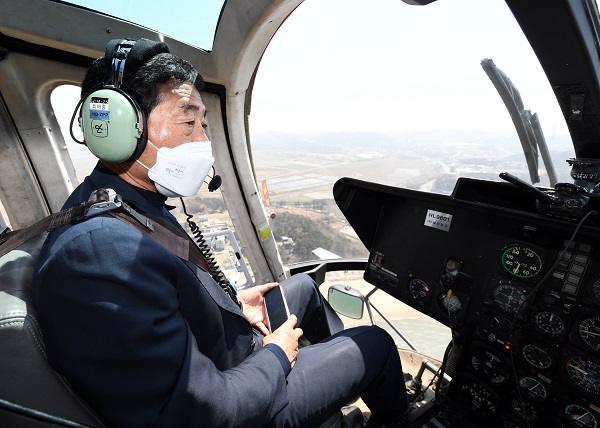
(495, 253)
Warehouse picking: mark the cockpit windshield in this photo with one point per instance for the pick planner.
(399, 98)
(196, 26)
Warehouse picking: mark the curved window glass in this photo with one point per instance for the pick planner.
(197, 28)
(389, 93)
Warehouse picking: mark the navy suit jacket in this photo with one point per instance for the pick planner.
(147, 339)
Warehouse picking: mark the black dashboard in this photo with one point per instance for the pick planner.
(519, 289)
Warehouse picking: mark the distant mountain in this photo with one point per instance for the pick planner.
(415, 141)
(322, 142)
(459, 148)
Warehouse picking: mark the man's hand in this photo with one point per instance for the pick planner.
(253, 304)
(286, 337)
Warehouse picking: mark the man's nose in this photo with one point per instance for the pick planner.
(200, 134)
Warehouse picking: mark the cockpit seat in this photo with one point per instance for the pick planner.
(32, 394)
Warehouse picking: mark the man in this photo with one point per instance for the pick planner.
(149, 340)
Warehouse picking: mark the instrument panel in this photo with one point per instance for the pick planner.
(520, 292)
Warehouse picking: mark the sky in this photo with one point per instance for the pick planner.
(196, 25)
(377, 65)
(383, 65)
(386, 66)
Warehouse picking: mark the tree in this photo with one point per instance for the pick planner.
(309, 234)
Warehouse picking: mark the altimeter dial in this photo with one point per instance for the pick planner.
(589, 332)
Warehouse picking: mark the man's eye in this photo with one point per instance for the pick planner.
(191, 123)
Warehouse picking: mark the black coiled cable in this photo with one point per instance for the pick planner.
(215, 270)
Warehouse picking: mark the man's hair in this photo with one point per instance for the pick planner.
(142, 83)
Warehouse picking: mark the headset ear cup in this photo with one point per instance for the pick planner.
(110, 121)
(143, 139)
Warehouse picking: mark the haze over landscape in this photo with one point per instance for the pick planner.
(305, 166)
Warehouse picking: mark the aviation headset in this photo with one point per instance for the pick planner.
(113, 124)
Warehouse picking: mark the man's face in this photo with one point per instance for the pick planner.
(178, 118)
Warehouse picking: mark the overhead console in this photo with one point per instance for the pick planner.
(524, 313)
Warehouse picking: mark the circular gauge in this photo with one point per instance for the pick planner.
(534, 389)
(524, 410)
(580, 417)
(589, 332)
(453, 305)
(495, 328)
(584, 374)
(418, 289)
(596, 291)
(522, 262)
(489, 366)
(477, 398)
(536, 356)
(508, 297)
(549, 323)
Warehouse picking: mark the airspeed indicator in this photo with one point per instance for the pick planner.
(521, 262)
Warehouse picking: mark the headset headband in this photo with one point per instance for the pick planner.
(118, 63)
(113, 124)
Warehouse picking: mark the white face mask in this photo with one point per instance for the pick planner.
(180, 171)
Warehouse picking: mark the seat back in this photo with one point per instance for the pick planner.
(32, 394)
(27, 380)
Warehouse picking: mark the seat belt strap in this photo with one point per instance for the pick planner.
(11, 239)
(181, 244)
(102, 201)
(108, 201)
(169, 238)
(164, 233)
